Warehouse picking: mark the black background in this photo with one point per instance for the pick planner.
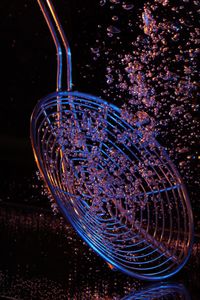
(28, 72)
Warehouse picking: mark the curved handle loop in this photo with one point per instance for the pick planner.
(60, 42)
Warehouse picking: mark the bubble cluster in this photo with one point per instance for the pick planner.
(154, 70)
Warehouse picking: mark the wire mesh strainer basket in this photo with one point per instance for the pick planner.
(120, 192)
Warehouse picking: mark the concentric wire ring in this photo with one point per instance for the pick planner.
(120, 192)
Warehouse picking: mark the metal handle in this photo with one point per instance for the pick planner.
(61, 44)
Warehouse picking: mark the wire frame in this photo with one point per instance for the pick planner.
(119, 190)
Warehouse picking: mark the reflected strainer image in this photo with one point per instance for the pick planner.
(161, 291)
(112, 181)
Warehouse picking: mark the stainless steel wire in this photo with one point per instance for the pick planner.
(119, 190)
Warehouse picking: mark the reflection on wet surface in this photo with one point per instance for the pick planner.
(161, 291)
(42, 258)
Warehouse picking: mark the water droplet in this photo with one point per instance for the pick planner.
(115, 18)
(115, 1)
(102, 2)
(127, 6)
(94, 50)
(112, 29)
